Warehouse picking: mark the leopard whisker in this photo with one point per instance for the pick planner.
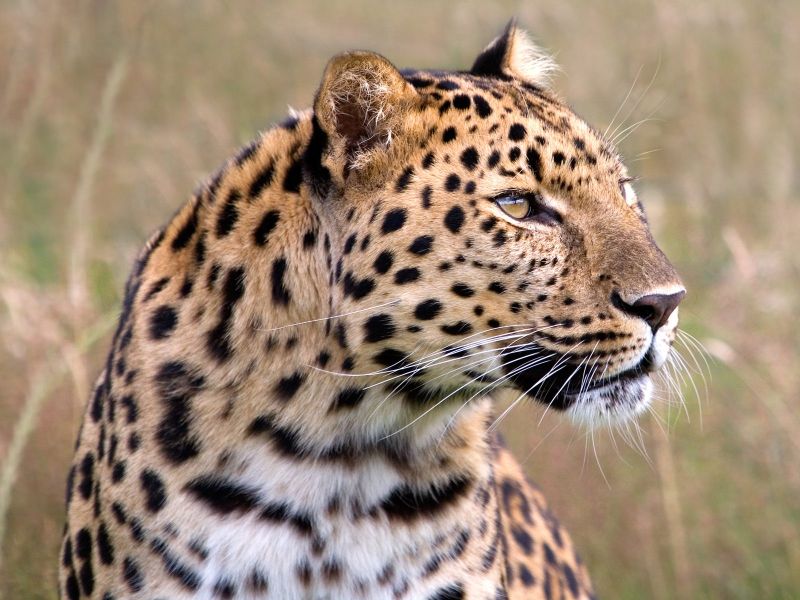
(692, 346)
(673, 373)
(677, 382)
(634, 437)
(405, 366)
(435, 358)
(391, 368)
(448, 396)
(418, 365)
(684, 370)
(501, 380)
(518, 348)
(611, 430)
(508, 348)
(543, 438)
(688, 339)
(576, 370)
(673, 392)
(638, 102)
(451, 350)
(400, 386)
(589, 378)
(494, 384)
(644, 155)
(520, 368)
(630, 129)
(597, 459)
(483, 341)
(624, 101)
(553, 370)
(561, 360)
(339, 316)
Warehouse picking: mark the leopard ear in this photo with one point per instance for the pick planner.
(513, 54)
(359, 105)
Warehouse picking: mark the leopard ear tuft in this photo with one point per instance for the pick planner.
(359, 104)
(513, 54)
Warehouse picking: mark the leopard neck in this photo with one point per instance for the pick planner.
(283, 367)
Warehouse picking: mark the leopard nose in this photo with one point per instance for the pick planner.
(655, 309)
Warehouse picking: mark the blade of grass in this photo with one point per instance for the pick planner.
(81, 201)
(670, 497)
(48, 376)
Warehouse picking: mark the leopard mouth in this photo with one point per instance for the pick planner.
(558, 384)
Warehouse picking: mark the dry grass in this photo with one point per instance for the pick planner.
(110, 112)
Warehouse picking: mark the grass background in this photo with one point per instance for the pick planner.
(110, 112)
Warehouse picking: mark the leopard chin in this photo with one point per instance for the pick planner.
(610, 404)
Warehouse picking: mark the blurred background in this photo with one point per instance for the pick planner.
(111, 112)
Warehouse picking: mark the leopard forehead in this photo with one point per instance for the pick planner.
(499, 129)
(498, 113)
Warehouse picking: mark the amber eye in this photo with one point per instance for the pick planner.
(516, 207)
(527, 207)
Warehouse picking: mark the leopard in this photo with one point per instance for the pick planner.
(299, 401)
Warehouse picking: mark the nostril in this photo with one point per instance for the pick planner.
(654, 309)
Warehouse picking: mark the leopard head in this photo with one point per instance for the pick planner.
(487, 237)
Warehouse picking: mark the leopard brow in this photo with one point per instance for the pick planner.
(527, 194)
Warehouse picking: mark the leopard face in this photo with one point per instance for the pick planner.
(489, 238)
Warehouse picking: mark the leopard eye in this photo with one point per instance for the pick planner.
(516, 207)
(527, 208)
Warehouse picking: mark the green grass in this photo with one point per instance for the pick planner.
(711, 512)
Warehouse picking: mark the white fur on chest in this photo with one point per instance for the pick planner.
(361, 546)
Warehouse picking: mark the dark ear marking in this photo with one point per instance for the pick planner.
(513, 55)
(493, 59)
(317, 174)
